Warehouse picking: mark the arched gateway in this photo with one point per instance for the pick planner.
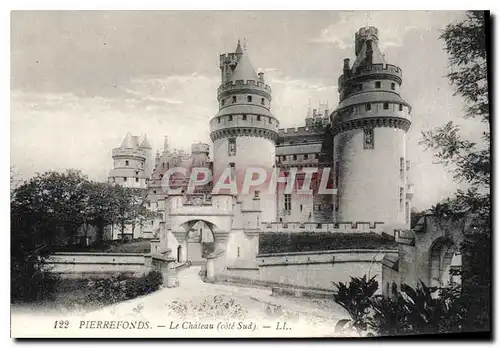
(216, 213)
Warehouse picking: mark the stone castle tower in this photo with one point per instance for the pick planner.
(132, 162)
(369, 128)
(244, 131)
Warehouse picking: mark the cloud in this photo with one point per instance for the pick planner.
(392, 26)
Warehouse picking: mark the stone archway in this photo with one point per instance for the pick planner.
(441, 254)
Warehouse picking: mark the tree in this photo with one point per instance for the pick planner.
(469, 161)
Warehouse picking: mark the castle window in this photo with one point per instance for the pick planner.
(294, 157)
(393, 86)
(234, 99)
(233, 173)
(378, 84)
(368, 106)
(386, 106)
(232, 147)
(288, 202)
(136, 179)
(258, 117)
(262, 102)
(126, 163)
(368, 139)
(124, 178)
(249, 98)
(400, 107)
(230, 118)
(244, 117)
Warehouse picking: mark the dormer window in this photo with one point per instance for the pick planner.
(124, 178)
(262, 102)
(136, 179)
(234, 99)
(294, 157)
(249, 99)
(368, 106)
(400, 107)
(244, 117)
(393, 86)
(258, 117)
(218, 119)
(378, 84)
(386, 106)
(126, 163)
(222, 102)
(230, 117)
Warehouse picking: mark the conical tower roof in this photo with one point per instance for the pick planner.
(127, 142)
(145, 142)
(244, 70)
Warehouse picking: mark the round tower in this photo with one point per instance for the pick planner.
(369, 128)
(244, 131)
(129, 164)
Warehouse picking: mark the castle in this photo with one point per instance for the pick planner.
(359, 147)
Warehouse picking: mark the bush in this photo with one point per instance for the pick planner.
(411, 311)
(317, 241)
(30, 281)
(121, 288)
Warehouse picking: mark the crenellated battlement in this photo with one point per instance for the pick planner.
(241, 84)
(338, 227)
(298, 131)
(388, 69)
(121, 152)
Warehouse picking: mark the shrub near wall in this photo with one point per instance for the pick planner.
(121, 288)
(270, 243)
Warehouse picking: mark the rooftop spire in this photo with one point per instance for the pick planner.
(238, 48)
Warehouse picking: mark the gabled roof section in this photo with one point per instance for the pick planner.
(244, 70)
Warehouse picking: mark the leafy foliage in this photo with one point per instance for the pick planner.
(120, 288)
(355, 299)
(470, 162)
(47, 212)
(410, 311)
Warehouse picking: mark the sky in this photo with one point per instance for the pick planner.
(80, 80)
